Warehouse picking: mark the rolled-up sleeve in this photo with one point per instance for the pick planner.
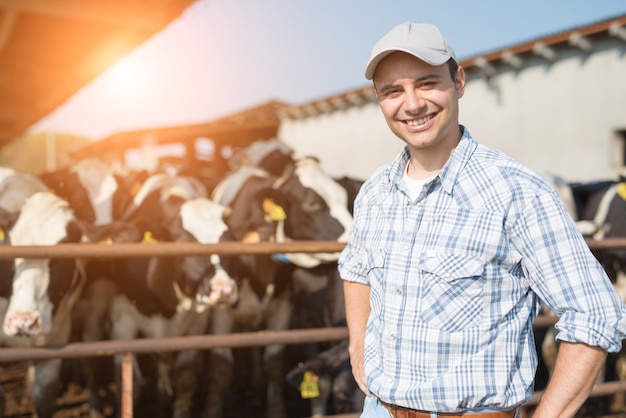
(564, 273)
(353, 265)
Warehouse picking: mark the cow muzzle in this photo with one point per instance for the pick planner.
(23, 324)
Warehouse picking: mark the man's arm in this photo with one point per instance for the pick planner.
(575, 372)
(357, 300)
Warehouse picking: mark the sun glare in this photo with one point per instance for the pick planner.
(128, 81)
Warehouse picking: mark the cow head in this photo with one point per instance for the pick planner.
(16, 187)
(168, 214)
(316, 208)
(204, 220)
(88, 186)
(244, 191)
(44, 291)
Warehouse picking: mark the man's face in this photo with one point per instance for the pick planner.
(419, 101)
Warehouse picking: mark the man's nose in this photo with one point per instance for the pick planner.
(413, 102)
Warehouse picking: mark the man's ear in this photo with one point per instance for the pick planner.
(459, 81)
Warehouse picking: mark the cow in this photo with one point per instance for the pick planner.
(98, 193)
(270, 155)
(16, 187)
(44, 291)
(301, 203)
(327, 380)
(164, 296)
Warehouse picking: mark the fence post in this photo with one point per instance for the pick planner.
(127, 385)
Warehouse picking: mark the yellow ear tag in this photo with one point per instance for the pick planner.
(275, 212)
(2, 236)
(148, 238)
(308, 387)
(621, 190)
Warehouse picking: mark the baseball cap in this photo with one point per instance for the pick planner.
(422, 40)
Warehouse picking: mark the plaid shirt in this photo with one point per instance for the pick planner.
(456, 277)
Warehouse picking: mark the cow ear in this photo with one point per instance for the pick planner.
(228, 211)
(7, 220)
(75, 231)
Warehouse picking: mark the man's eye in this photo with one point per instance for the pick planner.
(390, 93)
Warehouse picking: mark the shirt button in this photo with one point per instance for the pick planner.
(393, 336)
(398, 292)
(447, 275)
(419, 204)
(406, 246)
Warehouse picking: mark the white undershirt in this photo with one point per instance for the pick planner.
(415, 186)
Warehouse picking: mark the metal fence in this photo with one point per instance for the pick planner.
(262, 338)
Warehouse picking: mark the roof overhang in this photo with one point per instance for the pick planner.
(237, 130)
(49, 49)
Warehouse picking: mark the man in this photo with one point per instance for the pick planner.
(453, 246)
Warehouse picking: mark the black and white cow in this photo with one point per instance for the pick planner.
(327, 380)
(302, 203)
(98, 193)
(88, 186)
(43, 291)
(158, 297)
(16, 187)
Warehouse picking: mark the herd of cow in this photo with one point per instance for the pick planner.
(267, 196)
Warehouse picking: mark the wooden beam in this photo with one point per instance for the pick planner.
(6, 27)
(140, 15)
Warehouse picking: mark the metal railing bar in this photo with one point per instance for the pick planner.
(164, 249)
(194, 342)
(173, 249)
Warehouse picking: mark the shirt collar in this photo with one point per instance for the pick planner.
(450, 171)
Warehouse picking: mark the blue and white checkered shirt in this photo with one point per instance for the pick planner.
(456, 277)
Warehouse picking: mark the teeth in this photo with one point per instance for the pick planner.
(419, 121)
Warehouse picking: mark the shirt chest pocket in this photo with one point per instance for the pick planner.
(453, 291)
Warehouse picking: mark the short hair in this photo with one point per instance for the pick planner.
(453, 67)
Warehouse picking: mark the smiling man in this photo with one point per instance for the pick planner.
(453, 245)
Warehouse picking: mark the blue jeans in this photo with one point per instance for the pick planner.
(372, 408)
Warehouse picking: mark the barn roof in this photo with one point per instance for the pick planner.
(49, 49)
(484, 64)
(236, 130)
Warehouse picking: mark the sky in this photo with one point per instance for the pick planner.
(223, 56)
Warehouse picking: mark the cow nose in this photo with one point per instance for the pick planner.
(223, 291)
(22, 324)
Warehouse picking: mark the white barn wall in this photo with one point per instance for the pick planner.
(351, 142)
(558, 117)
